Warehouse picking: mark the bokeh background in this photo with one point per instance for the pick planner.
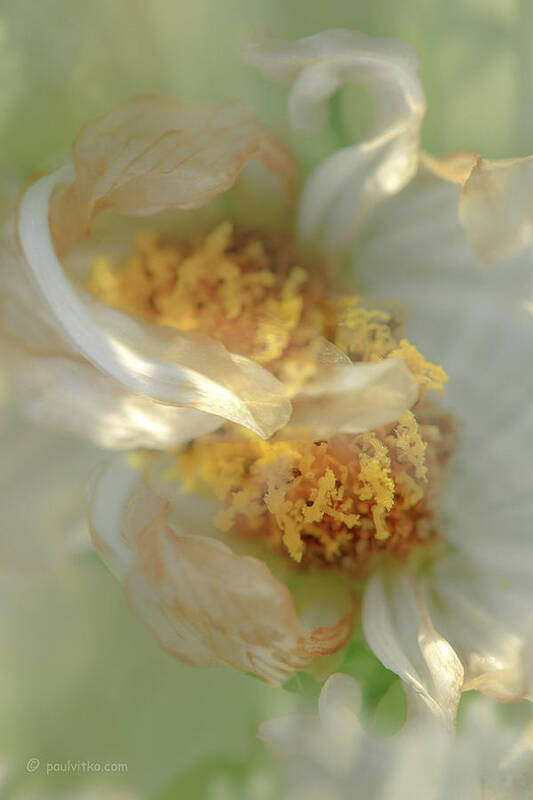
(80, 679)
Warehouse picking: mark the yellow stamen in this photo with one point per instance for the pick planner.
(248, 291)
(343, 501)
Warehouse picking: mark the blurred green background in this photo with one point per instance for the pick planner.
(61, 61)
(79, 677)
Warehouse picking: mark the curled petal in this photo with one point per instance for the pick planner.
(354, 398)
(150, 153)
(347, 185)
(339, 692)
(329, 741)
(205, 604)
(24, 318)
(495, 207)
(169, 367)
(399, 630)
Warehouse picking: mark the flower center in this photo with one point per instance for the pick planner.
(343, 501)
(248, 291)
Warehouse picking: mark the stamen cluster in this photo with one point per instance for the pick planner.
(341, 501)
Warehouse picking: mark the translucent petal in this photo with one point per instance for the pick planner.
(398, 629)
(169, 367)
(205, 604)
(346, 186)
(71, 395)
(151, 153)
(354, 398)
(487, 758)
(495, 207)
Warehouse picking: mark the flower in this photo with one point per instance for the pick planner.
(342, 500)
(332, 756)
(160, 388)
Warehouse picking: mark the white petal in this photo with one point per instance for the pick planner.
(472, 322)
(417, 766)
(339, 691)
(416, 252)
(151, 360)
(347, 185)
(25, 318)
(487, 615)
(71, 395)
(42, 489)
(398, 629)
(114, 491)
(355, 398)
(487, 758)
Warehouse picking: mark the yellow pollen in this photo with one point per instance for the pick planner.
(247, 290)
(343, 501)
(369, 335)
(429, 376)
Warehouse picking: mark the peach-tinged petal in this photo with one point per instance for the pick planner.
(501, 684)
(153, 383)
(347, 185)
(150, 153)
(454, 167)
(167, 366)
(496, 208)
(205, 604)
(355, 398)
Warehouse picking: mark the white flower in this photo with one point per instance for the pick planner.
(152, 386)
(332, 757)
(458, 620)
